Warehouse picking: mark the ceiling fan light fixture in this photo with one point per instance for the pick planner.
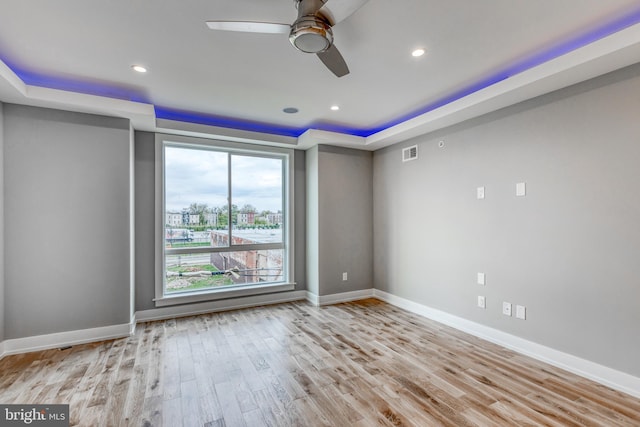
(310, 34)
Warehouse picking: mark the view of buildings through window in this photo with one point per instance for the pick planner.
(224, 218)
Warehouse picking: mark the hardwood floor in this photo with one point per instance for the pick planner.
(364, 363)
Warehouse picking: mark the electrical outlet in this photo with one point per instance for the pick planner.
(344, 276)
(481, 302)
(506, 308)
(480, 193)
(521, 312)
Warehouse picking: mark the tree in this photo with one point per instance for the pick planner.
(199, 209)
(223, 215)
(223, 220)
(225, 208)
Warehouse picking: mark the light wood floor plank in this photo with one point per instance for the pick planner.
(363, 363)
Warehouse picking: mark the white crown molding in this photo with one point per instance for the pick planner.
(600, 57)
(14, 90)
(174, 127)
(313, 137)
(608, 54)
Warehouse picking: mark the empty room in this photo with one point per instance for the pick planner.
(319, 213)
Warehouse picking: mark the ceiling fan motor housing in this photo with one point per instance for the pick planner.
(311, 34)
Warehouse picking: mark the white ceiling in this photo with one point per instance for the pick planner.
(243, 78)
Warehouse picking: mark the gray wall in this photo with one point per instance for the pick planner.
(568, 251)
(67, 221)
(313, 224)
(344, 228)
(299, 221)
(145, 219)
(1, 223)
(145, 214)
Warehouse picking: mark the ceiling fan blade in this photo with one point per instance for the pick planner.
(334, 61)
(250, 27)
(339, 10)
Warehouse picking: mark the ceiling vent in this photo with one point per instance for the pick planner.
(410, 153)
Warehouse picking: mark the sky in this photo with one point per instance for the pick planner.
(200, 176)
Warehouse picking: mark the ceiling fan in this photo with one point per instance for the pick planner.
(310, 32)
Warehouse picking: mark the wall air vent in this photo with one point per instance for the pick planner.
(410, 153)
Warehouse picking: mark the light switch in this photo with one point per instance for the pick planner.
(521, 189)
(521, 312)
(481, 279)
(480, 192)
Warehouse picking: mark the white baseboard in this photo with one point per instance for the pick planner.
(604, 375)
(134, 322)
(338, 298)
(63, 339)
(162, 313)
(312, 298)
(607, 376)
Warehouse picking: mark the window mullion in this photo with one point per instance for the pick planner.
(222, 249)
(255, 247)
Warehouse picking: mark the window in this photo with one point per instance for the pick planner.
(224, 223)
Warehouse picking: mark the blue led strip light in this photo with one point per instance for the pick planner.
(70, 84)
(525, 64)
(131, 94)
(226, 122)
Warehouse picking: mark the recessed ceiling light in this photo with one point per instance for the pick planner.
(417, 52)
(139, 68)
(335, 108)
(290, 110)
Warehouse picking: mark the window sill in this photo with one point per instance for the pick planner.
(218, 294)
